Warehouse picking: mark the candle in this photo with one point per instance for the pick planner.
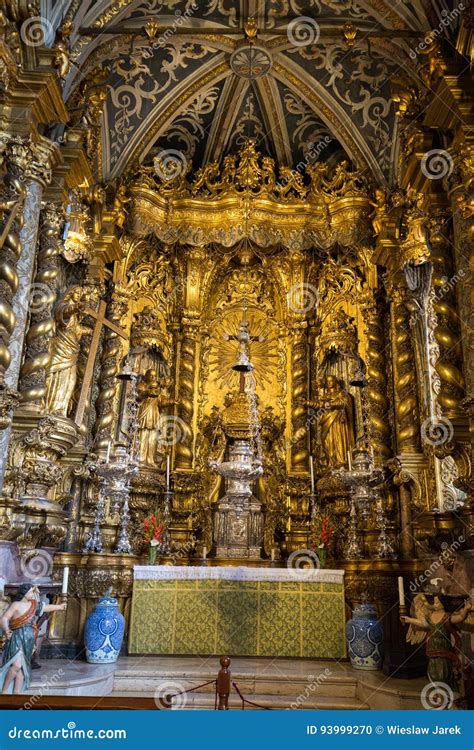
(349, 460)
(311, 471)
(107, 457)
(401, 591)
(167, 472)
(65, 579)
(204, 553)
(273, 555)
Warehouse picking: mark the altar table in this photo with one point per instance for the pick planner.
(239, 611)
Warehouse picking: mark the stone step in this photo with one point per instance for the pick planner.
(312, 684)
(205, 701)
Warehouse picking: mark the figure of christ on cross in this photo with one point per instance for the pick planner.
(100, 321)
(243, 365)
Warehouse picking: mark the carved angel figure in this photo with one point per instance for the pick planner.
(380, 209)
(430, 622)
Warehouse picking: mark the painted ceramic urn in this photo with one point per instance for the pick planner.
(364, 635)
(103, 634)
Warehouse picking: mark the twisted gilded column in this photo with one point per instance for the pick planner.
(11, 218)
(187, 375)
(377, 354)
(299, 395)
(462, 208)
(447, 333)
(406, 402)
(43, 296)
(112, 354)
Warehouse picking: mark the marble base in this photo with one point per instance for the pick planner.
(274, 683)
(63, 677)
(10, 568)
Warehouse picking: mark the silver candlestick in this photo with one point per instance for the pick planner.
(384, 545)
(362, 478)
(123, 545)
(94, 542)
(313, 507)
(353, 551)
(165, 544)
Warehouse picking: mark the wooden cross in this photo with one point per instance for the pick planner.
(100, 320)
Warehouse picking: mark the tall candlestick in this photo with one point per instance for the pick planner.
(167, 472)
(204, 553)
(65, 579)
(401, 591)
(349, 460)
(107, 457)
(273, 555)
(311, 472)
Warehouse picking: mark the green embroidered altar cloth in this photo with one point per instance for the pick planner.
(239, 611)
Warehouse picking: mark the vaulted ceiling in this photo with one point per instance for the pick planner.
(199, 88)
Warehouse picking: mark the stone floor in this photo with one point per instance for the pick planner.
(273, 683)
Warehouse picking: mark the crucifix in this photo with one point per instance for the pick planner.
(100, 320)
(243, 364)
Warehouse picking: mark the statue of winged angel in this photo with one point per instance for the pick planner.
(435, 618)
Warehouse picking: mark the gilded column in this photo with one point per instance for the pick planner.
(377, 385)
(447, 333)
(187, 376)
(299, 394)
(462, 207)
(112, 354)
(43, 296)
(12, 221)
(406, 402)
(30, 162)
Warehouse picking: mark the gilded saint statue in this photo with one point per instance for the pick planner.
(62, 372)
(152, 396)
(148, 417)
(336, 422)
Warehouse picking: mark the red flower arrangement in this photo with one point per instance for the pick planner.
(327, 531)
(153, 530)
(321, 536)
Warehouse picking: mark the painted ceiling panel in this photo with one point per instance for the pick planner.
(191, 92)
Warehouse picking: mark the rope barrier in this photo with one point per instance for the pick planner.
(166, 700)
(246, 700)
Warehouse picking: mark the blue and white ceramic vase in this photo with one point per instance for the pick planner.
(365, 638)
(103, 634)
